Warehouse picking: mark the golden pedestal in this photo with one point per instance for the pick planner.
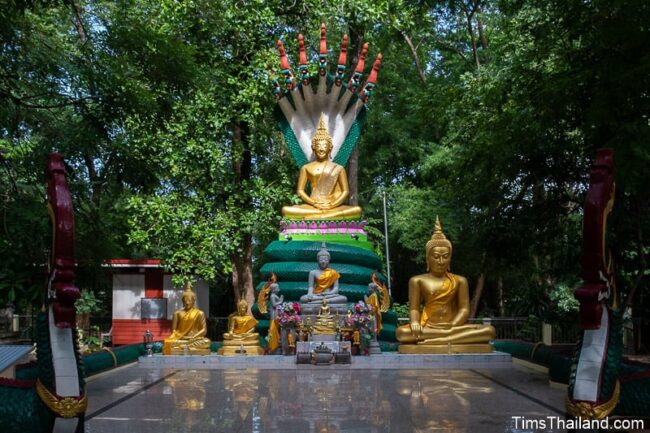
(324, 332)
(240, 350)
(192, 351)
(438, 349)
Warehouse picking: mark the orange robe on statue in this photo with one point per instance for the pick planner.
(191, 321)
(326, 280)
(373, 301)
(274, 335)
(439, 299)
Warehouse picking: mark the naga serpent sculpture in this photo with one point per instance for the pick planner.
(55, 399)
(601, 383)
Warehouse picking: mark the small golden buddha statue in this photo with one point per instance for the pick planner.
(323, 283)
(329, 184)
(241, 338)
(325, 321)
(188, 328)
(440, 326)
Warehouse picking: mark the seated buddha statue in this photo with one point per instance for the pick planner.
(328, 182)
(241, 337)
(323, 283)
(440, 326)
(325, 321)
(188, 328)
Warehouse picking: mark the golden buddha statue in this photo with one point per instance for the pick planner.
(440, 327)
(323, 283)
(325, 321)
(241, 338)
(328, 181)
(188, 328)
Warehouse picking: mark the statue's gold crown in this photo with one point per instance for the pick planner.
(438, 239)
(188, 290)
(241, 302)
(321, 132)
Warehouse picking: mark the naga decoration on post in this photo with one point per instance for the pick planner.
(55, 400)
(594, 388)
(62, 293)
(64, 396)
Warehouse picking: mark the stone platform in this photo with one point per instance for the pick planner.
(381, 361)
(314, 399)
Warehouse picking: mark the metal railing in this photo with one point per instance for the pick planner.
(507, 328)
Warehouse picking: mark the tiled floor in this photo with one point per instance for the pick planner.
(320, 399)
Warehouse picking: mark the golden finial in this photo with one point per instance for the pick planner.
(437, 230)
(321, 132)
(438, 239)
(187, 290)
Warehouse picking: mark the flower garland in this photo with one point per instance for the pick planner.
(360, 316)
(288, 314)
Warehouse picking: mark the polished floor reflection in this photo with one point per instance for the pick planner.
(319, 400)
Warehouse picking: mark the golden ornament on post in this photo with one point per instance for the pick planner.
(328, 181)
(440, 327)
(188, 328)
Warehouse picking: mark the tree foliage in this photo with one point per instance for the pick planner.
(488, 114)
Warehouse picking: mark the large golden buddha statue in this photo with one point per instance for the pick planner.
(440, 327)
(188, 328)
(241, 338)
(328, 181)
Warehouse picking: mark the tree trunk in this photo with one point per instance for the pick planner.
(416, 57)
(355, 45)
(78, 23)
(242, 258)
(479, 26)
(242, 272)
(643, 264)
(502, 305)
(470, 29)
(478, 291)
(476, 297)
(95, 179)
